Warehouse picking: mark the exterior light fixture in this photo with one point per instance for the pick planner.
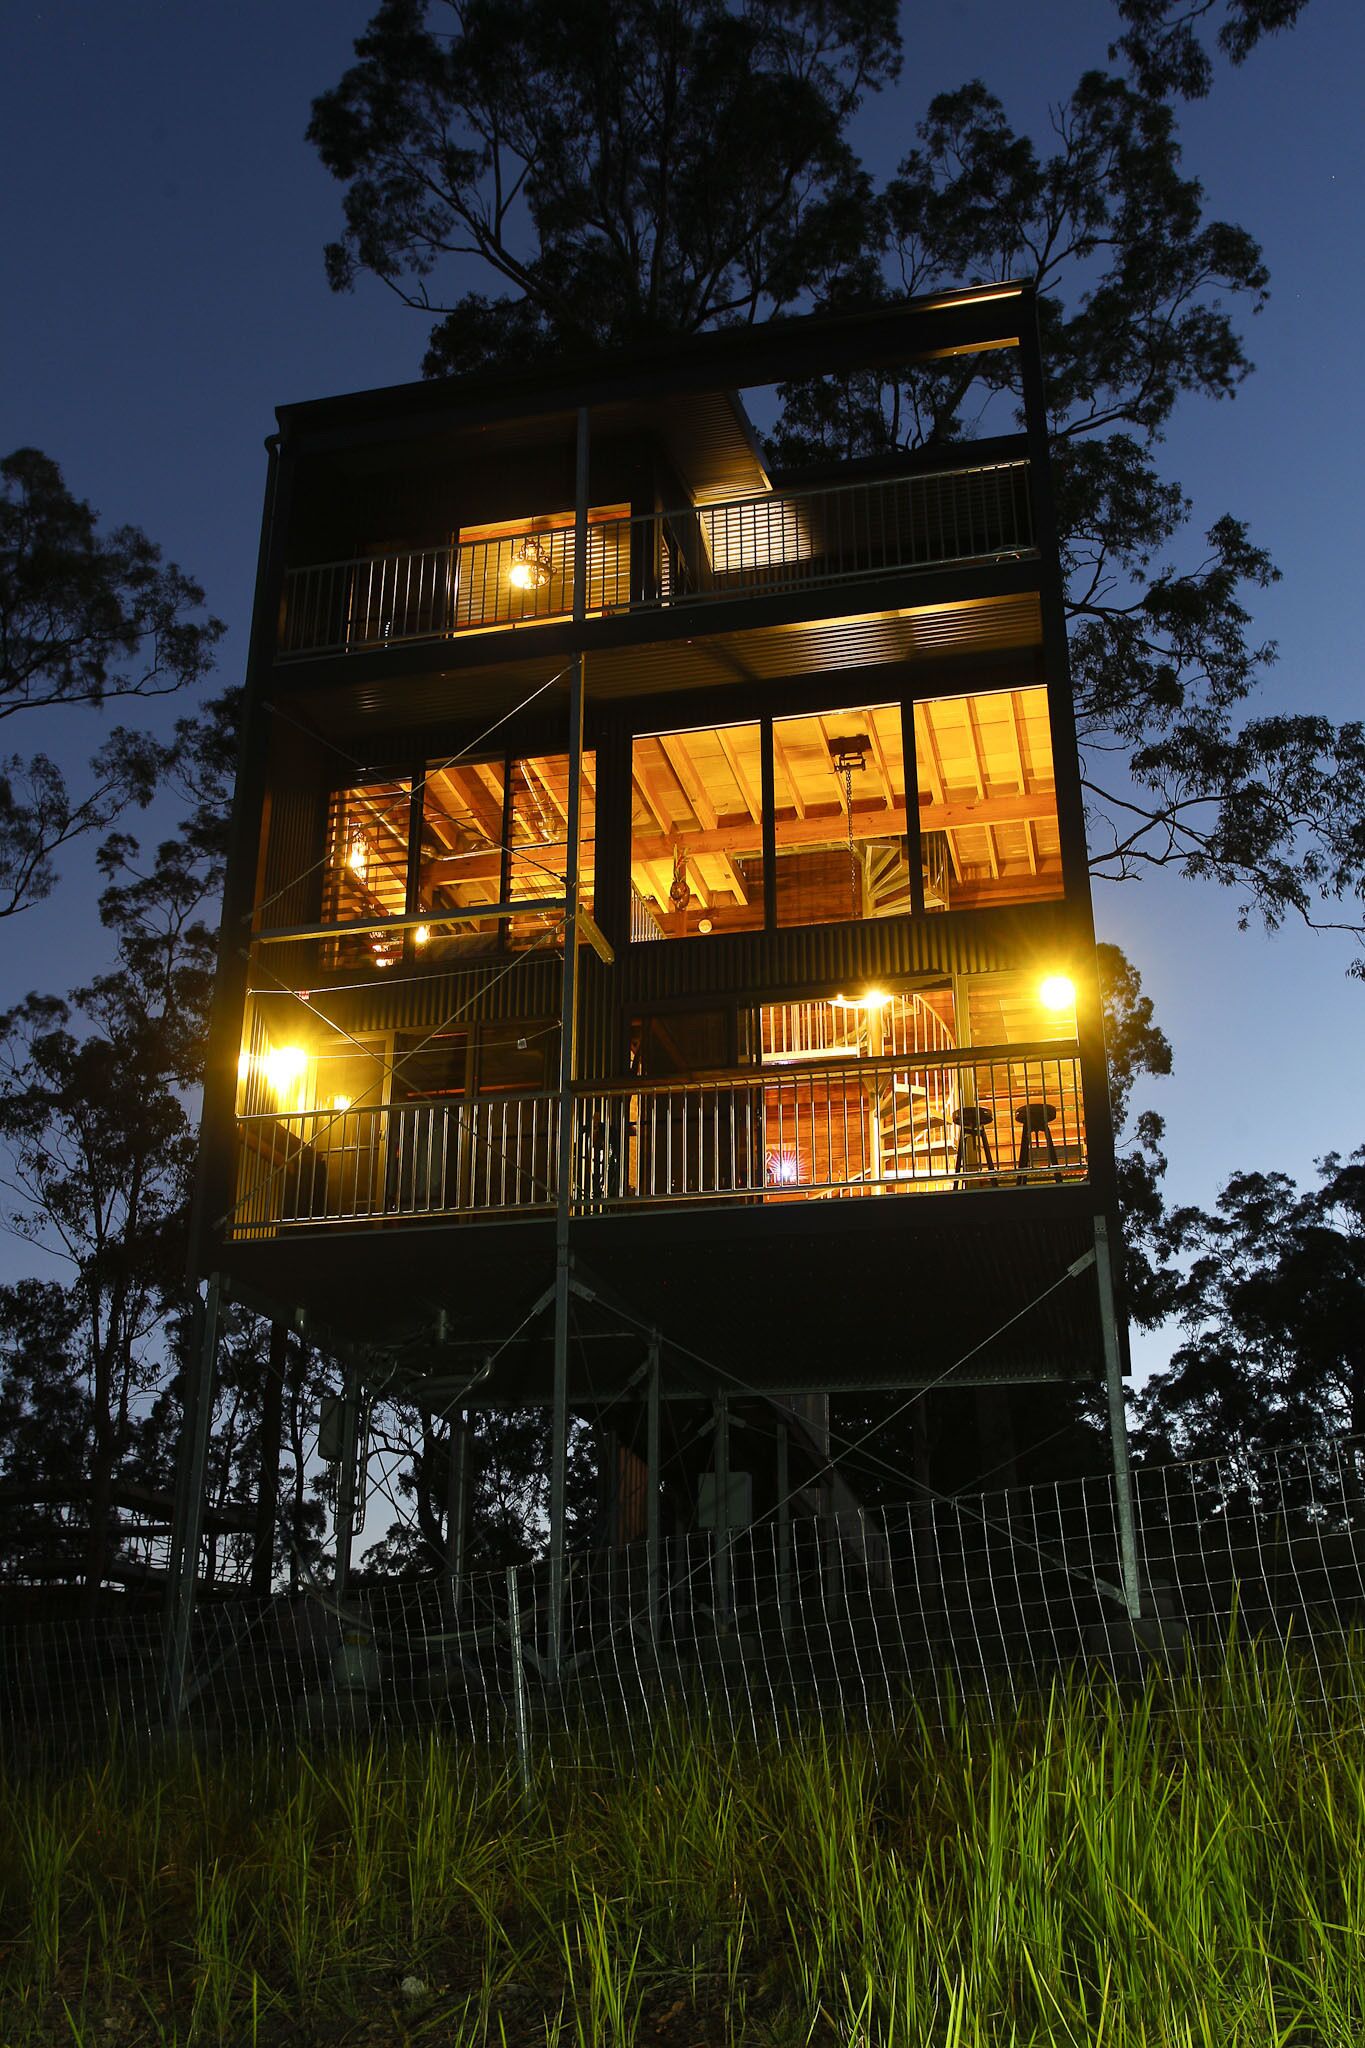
(421, 935)
(1057, 992)
(358, 855)
(530, 568)
(705, 924)
(284, 1067)
(341, 1102)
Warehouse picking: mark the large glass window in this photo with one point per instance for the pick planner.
(366, 871)
(696, 849)
(461, 859)
(538, 838)
(987, 800)
(839, 803)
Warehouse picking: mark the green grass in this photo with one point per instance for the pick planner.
(1179, 1867)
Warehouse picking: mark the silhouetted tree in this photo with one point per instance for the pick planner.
(84, 617)
(673, 167)
(1272, 1302)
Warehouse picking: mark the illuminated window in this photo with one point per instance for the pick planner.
(519, 569)
(697, 832)
(987, 800)
(365, 874)
(538, 839)
(839, 801)
(461, 860)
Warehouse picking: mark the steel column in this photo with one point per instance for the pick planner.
(187, 1533)
(568, 1068)
(346, 1478)
(722, 1524)
(1118, 1420)
(652, 1492)
(457, 1497)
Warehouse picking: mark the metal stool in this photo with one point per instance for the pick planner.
(1035, 1121)
(974, 1122)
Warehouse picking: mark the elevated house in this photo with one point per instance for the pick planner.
(658, 974)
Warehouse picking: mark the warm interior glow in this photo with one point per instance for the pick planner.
(358, 857)
(1057, 992)
(341, 1102)
(421, 935)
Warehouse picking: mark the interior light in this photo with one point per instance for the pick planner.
(358, 857)
(1057, 992)
(530, 568)
(421, 935)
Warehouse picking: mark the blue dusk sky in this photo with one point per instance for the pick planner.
(162, 289)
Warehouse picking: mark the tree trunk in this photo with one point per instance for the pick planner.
(97, 1539)
(268, 1481)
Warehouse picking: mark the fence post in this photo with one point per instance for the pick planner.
(784, 1529)
(1118, 1421)
(652, 1493)
(519, 1714)
(457, 1487)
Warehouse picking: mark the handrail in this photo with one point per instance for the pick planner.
(758, 544)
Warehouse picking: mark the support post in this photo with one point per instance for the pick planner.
(187, 1533)
(652, 1493)
(568, 1067)
(784, 1527)
(521, 1719)
(268, 1484)
(1118, 1420)
(722, 1530)
(457, 1496)
(346, 1475)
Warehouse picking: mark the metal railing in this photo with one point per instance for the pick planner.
(781, 542)
(820, 1130)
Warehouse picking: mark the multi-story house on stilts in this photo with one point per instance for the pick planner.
(658, 976)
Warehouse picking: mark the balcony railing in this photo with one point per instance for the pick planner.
(818, 1130)
(783, 542)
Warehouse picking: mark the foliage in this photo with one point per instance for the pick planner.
(1273, 1305)
(575, 160)
(648, 168)
(1161, 38)
(84, 617)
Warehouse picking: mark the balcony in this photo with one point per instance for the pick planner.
(782, 543)
(806, 1130)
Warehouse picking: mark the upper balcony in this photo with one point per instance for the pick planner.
(518, 574)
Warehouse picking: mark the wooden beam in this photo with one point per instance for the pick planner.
(781, 760)
(727, 748)
(833, 829)
(690, 780)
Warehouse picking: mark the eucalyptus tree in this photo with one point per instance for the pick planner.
(86, 616)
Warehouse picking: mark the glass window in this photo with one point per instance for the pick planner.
(461, 857)
(697, 832)
(539, 837)
(365, 874)
(987, 800)
(839, 803)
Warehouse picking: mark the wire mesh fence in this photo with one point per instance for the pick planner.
(841, 1617)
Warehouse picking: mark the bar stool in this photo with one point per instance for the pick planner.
(974, 1122)
(1035, 1121)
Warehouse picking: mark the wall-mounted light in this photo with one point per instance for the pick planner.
(1057, 992)
(421, 935)
(284, 1067)
(530, 568)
